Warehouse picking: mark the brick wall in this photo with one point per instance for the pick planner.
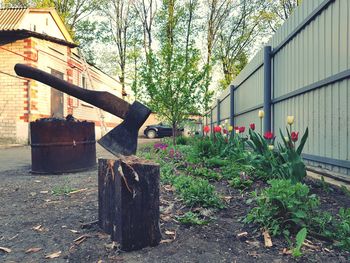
(13, 92)
(22, 101)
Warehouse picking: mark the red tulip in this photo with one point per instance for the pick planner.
(225, 131)
(236, 128)
(268, 135)
(252, 126)
(206, 129)
(217, 129)
(294, 136)
(241, 129)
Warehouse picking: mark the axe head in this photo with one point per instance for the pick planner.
(123, 138)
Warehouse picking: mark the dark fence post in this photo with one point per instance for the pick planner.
(267, 88)
(232, 107)
(211, 119)
(218, 112)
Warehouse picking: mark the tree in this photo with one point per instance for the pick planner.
(120, 17)
(172, 77)
(276, 12)
(236, 36)
(217, 12)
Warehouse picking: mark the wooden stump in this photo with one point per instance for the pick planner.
(128, 201)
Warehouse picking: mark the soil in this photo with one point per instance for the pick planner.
(31, 216)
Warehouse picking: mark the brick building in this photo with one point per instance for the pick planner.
(38, 37)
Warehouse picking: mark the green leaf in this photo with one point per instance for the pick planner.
(303, 141)
(300, 238)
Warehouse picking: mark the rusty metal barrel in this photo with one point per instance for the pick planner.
(61, 146)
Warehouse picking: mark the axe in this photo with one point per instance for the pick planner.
(123, 138)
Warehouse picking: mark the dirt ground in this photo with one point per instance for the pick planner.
(32, 217)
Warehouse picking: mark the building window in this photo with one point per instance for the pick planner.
(83, 82)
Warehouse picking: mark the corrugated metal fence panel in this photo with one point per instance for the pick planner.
(250, 93)
(225, 104)
(248, 118)
(250, 68)
(318, 52)
(214, 114)
(225, 109)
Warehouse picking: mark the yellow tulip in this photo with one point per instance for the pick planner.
(290, 120)
(261, 114)
(286, 138)
(230, 128)
(271, 147)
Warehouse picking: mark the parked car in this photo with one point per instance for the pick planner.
(159, 130)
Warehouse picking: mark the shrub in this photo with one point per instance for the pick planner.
(197, 192)
(283, 207)
(182, 140)
(204, 172)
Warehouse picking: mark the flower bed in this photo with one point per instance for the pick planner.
(268, 172)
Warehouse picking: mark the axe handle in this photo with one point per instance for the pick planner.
(100, 99)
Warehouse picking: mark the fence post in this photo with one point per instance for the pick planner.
(232, 107)
(211, 119)
(218, 112)
(267, 88)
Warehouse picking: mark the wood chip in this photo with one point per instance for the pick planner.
(44, 192)
(164, 241)
(38, 228)
(307, 244)
(168, 232)
(33, 249)
(54, 255)
(243, 234)
(165, 218)
(74, 231)
(78, 191)
(5, 249)
(286, 251)
(81, 239)
(169, 188)
(11, 238)
(267, 239)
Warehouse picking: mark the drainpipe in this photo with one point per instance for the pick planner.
(29, 110)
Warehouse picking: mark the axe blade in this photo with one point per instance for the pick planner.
(123, 138)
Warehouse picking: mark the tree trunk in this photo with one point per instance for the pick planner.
(174, 132)
(128, 201)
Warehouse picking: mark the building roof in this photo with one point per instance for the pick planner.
(11, 18)
(23, 33)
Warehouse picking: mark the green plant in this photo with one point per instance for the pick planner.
(204, 172)
(190, 218)
(167, 172)
(182, 140)
(290, 164)
(197, 192)
(300, 238)
(342, 229)
(345, 190)
(205, 148)
(241, 182)
(62, 189)
(216, 162)
(283, 206)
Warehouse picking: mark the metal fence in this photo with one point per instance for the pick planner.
(304, 71)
